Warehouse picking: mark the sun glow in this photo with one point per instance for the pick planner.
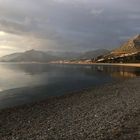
(2, 33)
(7, 47)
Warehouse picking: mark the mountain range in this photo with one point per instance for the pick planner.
(28, 56)
(129, 52)
(40, 56)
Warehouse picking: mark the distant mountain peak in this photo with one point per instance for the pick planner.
(32, 50)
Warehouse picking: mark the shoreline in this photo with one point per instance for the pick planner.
(105, 64)
(125, 64)
(110, 112)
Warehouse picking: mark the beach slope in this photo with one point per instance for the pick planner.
(110, 112)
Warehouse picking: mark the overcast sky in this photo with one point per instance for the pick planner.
(66, 25)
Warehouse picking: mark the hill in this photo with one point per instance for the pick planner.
(40, 56)
(129, 52)
(131, 46)
(65, 55)
(94, 54)
(28, 56)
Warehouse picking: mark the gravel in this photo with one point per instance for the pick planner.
(110, 112)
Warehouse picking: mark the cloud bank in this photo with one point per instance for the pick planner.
(66, 25)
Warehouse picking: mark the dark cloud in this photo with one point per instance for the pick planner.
(71, 24)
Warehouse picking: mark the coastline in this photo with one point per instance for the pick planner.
(110, 112)
(82, 63)
(105, 64)
(121, 64)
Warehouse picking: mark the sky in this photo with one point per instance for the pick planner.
(66, 25)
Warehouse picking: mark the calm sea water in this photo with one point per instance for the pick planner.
(24, 83)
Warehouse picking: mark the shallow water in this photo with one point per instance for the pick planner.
(24, 83)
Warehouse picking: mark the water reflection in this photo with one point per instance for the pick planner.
(29, 69)
(120, 71)
(124, 74)
(23, 75)
(34, 69)
(24, 83)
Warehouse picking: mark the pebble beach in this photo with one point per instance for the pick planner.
(109, 112)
